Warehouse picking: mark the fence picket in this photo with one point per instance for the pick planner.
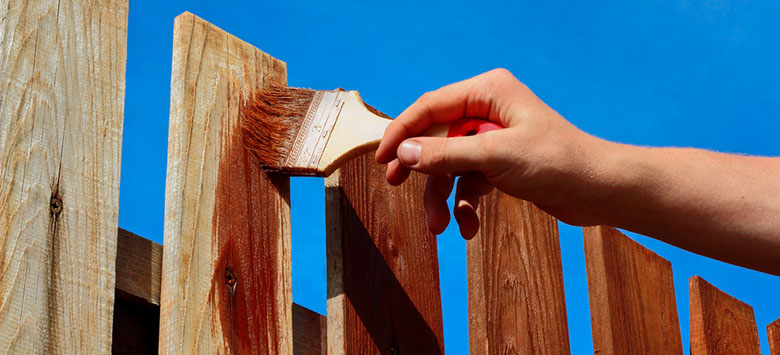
(632, 303)
(62, 89)
(383, 279)
(720, 323)
(516, 299)
(226, 266)
(773, 333)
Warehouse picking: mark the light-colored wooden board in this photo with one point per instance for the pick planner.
(773, 333)
(516, 298)
(226, 285)
(720, 323)
(62, 86)
(383, 279)
(632, 303)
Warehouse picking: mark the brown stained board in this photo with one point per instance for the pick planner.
(138, 267)
(773, 333)
(383, 278)
(309, 332)
(226, 265)
(632, 303)
(720, 323)
(516, 299)
(137, 310)
(62, 87)
(137, 304)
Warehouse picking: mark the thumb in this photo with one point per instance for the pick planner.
(434, 155)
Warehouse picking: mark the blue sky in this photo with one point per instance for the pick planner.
(656, 73)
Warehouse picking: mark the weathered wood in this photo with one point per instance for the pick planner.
(516, 299)
(383, 279)
(62, 86)
(632, 303)
(226, 265)
(773, 333)
(720, 323)
(138, 266)
(309, 332)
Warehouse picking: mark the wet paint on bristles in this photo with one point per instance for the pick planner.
(271, 121)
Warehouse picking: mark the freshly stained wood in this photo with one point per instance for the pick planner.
(383, 279)
(62, 86)
(632, 303)
(773, 333)
(720, 323)
(516, 300)
(226, 265)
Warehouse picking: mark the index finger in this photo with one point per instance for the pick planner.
(472, 97)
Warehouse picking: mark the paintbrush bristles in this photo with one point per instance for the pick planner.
(271, 120)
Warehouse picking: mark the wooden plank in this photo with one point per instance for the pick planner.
(720, 323)
(309, 332)
(138, 266)
(136, 325)
(383, 278)
(62, 86)
(226, 279)
(632, 303)
(137, 310)
(773, 333)
(516, 299)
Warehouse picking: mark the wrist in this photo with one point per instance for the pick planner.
(620, 175)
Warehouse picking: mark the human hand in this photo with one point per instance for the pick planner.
(539, 156)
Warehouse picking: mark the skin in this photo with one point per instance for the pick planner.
(723, 206)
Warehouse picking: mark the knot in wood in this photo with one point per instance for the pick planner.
(230, 279)
(55, 205)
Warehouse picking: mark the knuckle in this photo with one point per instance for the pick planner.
(425, 98)
(501, 73)
(438, 155)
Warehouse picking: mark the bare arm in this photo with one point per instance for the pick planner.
(723, 206)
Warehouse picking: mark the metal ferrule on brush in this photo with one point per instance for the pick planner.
(316, 129)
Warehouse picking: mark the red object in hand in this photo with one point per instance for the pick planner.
(471, 126)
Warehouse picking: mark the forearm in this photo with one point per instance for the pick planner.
(722, 206)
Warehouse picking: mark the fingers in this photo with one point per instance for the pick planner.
(434, 155)
(474, 97)
(437, 189)
(396, 173)
(471, 187)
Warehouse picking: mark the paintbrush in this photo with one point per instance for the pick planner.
(312, 132)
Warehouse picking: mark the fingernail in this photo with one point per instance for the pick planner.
(409, 152)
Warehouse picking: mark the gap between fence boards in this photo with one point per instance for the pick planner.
(136, 322)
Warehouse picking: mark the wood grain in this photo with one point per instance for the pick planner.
(720, 323)
(773, 333)
(62, 86)
(632, 303)
(309, 332)
(516, 299)
(383, 279)
(226, 265)
(138, 266)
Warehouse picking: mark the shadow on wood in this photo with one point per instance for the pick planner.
(383, 280)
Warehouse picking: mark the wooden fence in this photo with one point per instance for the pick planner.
(72, 282)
